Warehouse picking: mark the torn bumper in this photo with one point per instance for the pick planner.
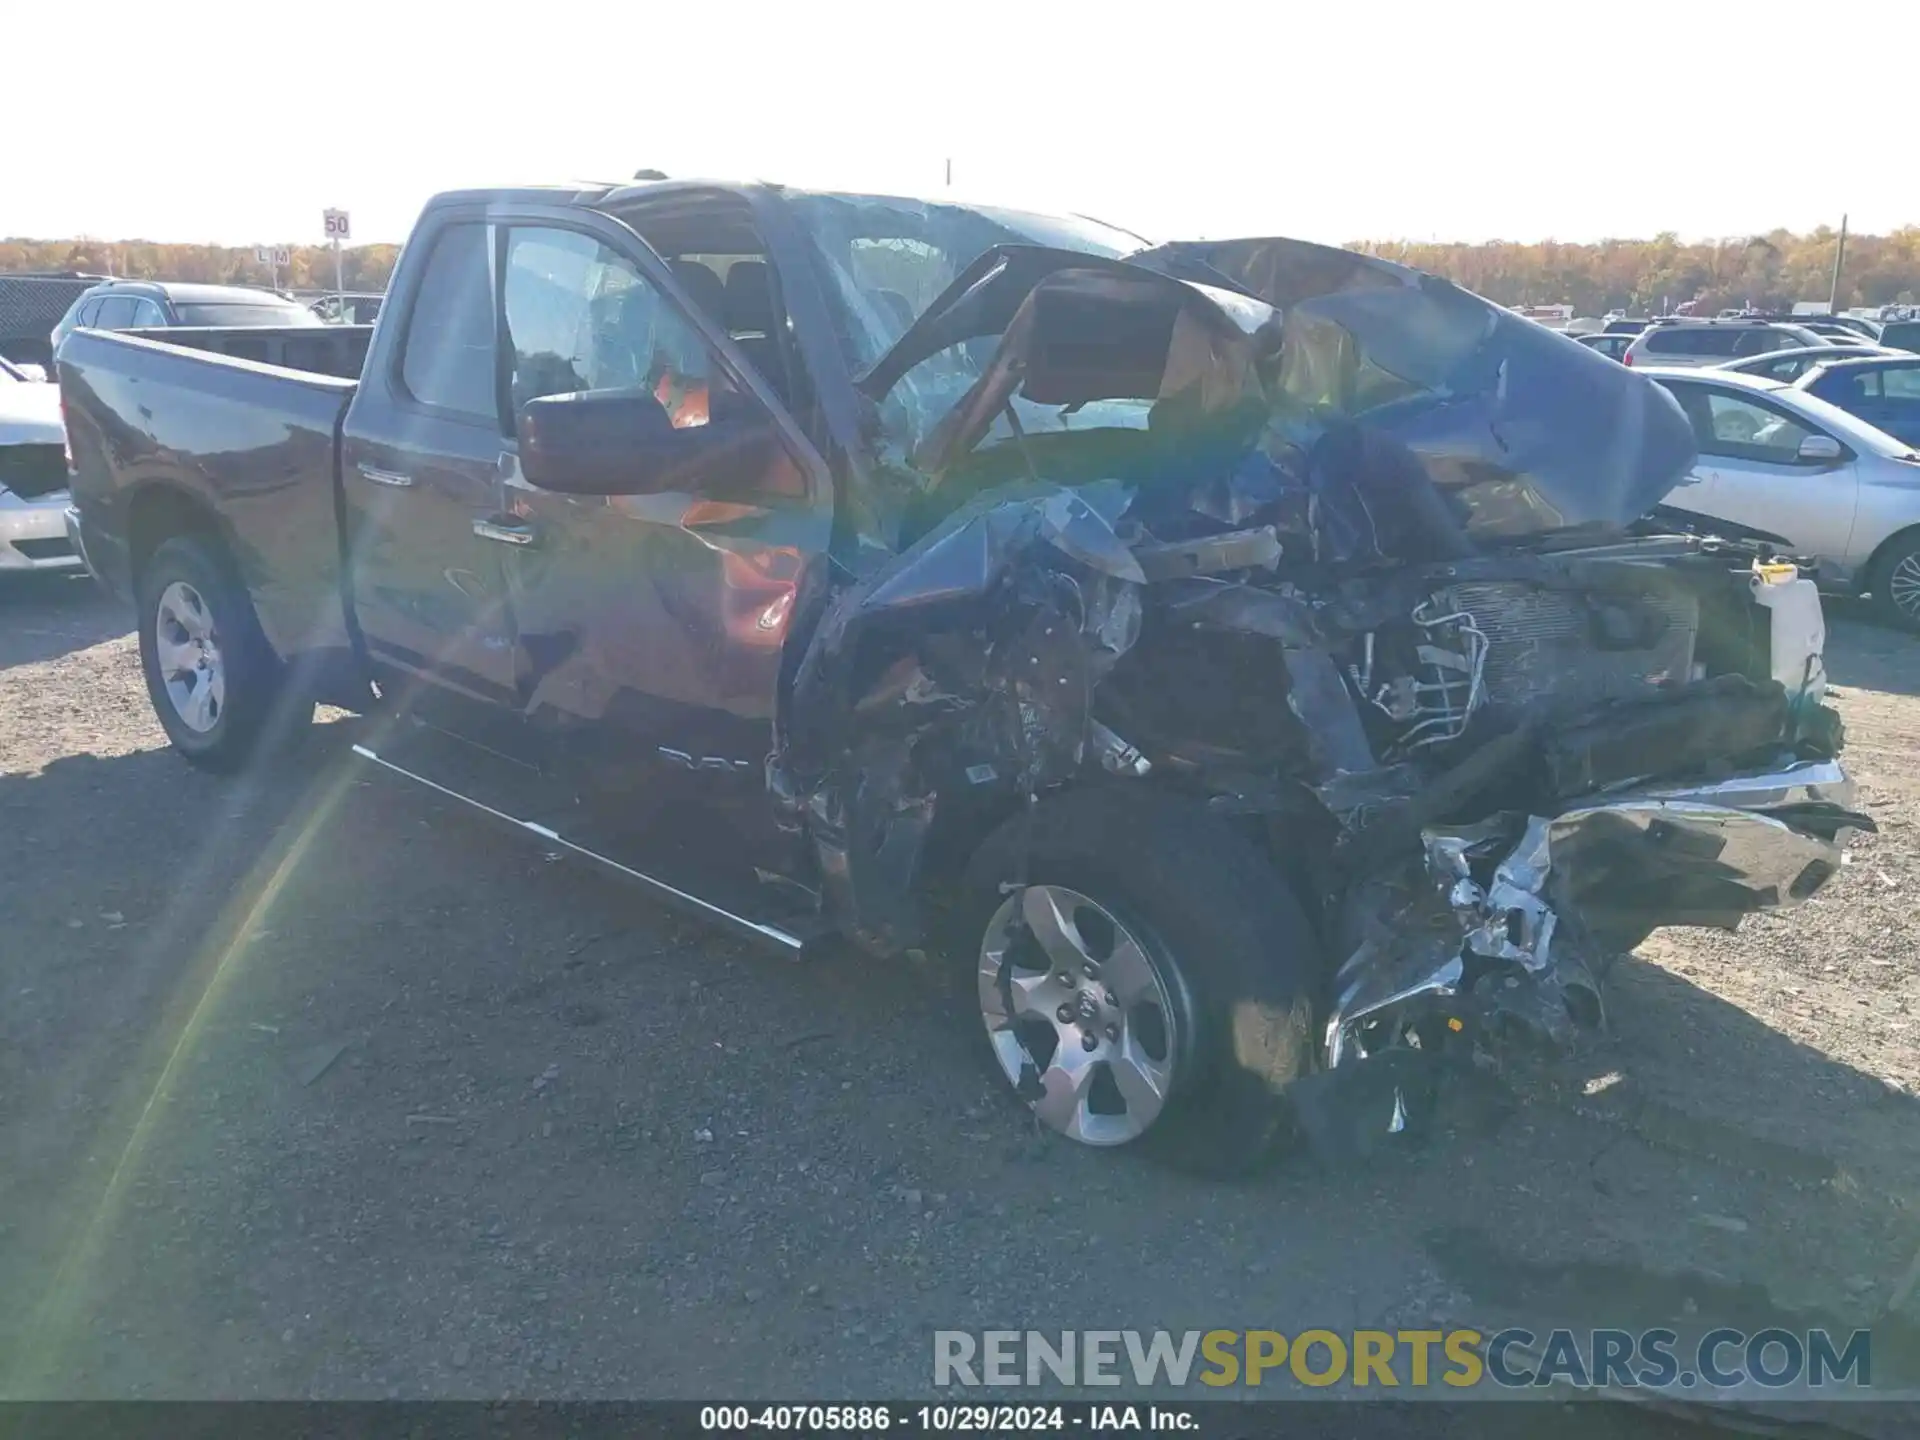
(1515, 911)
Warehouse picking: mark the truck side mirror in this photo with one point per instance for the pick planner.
(1820, 450)
(623, 442)
(619, 442)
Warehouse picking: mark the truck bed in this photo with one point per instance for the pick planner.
(337, 350)
(157, 426)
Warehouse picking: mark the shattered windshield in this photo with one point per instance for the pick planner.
(887, 259)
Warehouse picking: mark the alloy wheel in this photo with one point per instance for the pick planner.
(1903, 586)
(1080, 1014)
(187, 647)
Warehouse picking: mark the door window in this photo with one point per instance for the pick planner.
(1785, 371)
(146, 313)
(1901, 384)
(446, 357)
(1744, 429)
(116, 313)
(1848, 388)
(1693, 342)
(581, 318)
(1759, 341)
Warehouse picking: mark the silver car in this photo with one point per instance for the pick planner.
(1712, 342)
(1777, 459)
(1787, 366)
(33, 476)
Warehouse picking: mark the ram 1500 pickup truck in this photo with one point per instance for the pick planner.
(1265, 671)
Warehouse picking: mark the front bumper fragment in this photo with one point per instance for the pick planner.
(33, 533)
(1510, 917)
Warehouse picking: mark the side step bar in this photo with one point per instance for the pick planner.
(673, 895)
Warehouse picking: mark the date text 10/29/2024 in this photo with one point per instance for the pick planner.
(941, 1419)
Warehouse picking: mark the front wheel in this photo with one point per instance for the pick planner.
(1896, 583)
(214, 681)
(1142, 975)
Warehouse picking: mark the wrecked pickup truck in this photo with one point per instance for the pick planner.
(1252, 663)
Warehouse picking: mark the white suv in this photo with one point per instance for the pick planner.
(1714, 342)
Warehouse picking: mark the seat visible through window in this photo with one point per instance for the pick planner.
(753, 321)
(704, 288)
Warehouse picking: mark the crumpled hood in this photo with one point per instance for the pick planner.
(1523, 430)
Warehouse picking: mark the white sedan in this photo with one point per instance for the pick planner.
(33, 476)
(1777, 459)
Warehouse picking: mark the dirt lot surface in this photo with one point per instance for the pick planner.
(310, 1085)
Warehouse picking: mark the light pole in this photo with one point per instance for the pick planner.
(1839, 258)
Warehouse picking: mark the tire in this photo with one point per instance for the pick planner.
(215, 683)
(1231, 953)
(1895, 583)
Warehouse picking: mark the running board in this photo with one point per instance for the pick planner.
(670, 893)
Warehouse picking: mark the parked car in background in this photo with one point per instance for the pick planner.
(1901, 335)
(1787, 366)
(1847, 332)
(33, 476)
(1708, 342)
(1883, 391)
(158, 304)
(1624, 325)
(1781, 460)
(1609, 344)
(352, 308)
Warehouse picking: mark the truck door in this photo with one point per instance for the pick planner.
(651, 626)
(421, 473)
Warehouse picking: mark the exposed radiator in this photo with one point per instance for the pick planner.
(1577, 649)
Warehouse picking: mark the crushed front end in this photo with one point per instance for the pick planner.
(1365, 573)
(1714, 791)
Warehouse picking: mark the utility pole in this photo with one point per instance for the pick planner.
(1839, 258)
(949, 172)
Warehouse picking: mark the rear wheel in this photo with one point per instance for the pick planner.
(214, 682)
(1142, 976)
(1896, 583)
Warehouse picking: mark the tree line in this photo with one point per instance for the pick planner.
(1769, 271)
(1650, 277)
(362, 267)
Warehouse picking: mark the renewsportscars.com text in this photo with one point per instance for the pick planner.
(1393, 1359)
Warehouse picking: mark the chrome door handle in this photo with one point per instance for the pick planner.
(507, 531)
(396, 478)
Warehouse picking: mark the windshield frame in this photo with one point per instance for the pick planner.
(865, 328)
(863, 333)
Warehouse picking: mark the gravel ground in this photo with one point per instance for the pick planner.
(312, 1086)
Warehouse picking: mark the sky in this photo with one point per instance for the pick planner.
(1479, 119)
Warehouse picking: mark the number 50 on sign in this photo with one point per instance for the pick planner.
(337, 226)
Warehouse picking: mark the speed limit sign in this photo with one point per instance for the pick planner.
(336, 224)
